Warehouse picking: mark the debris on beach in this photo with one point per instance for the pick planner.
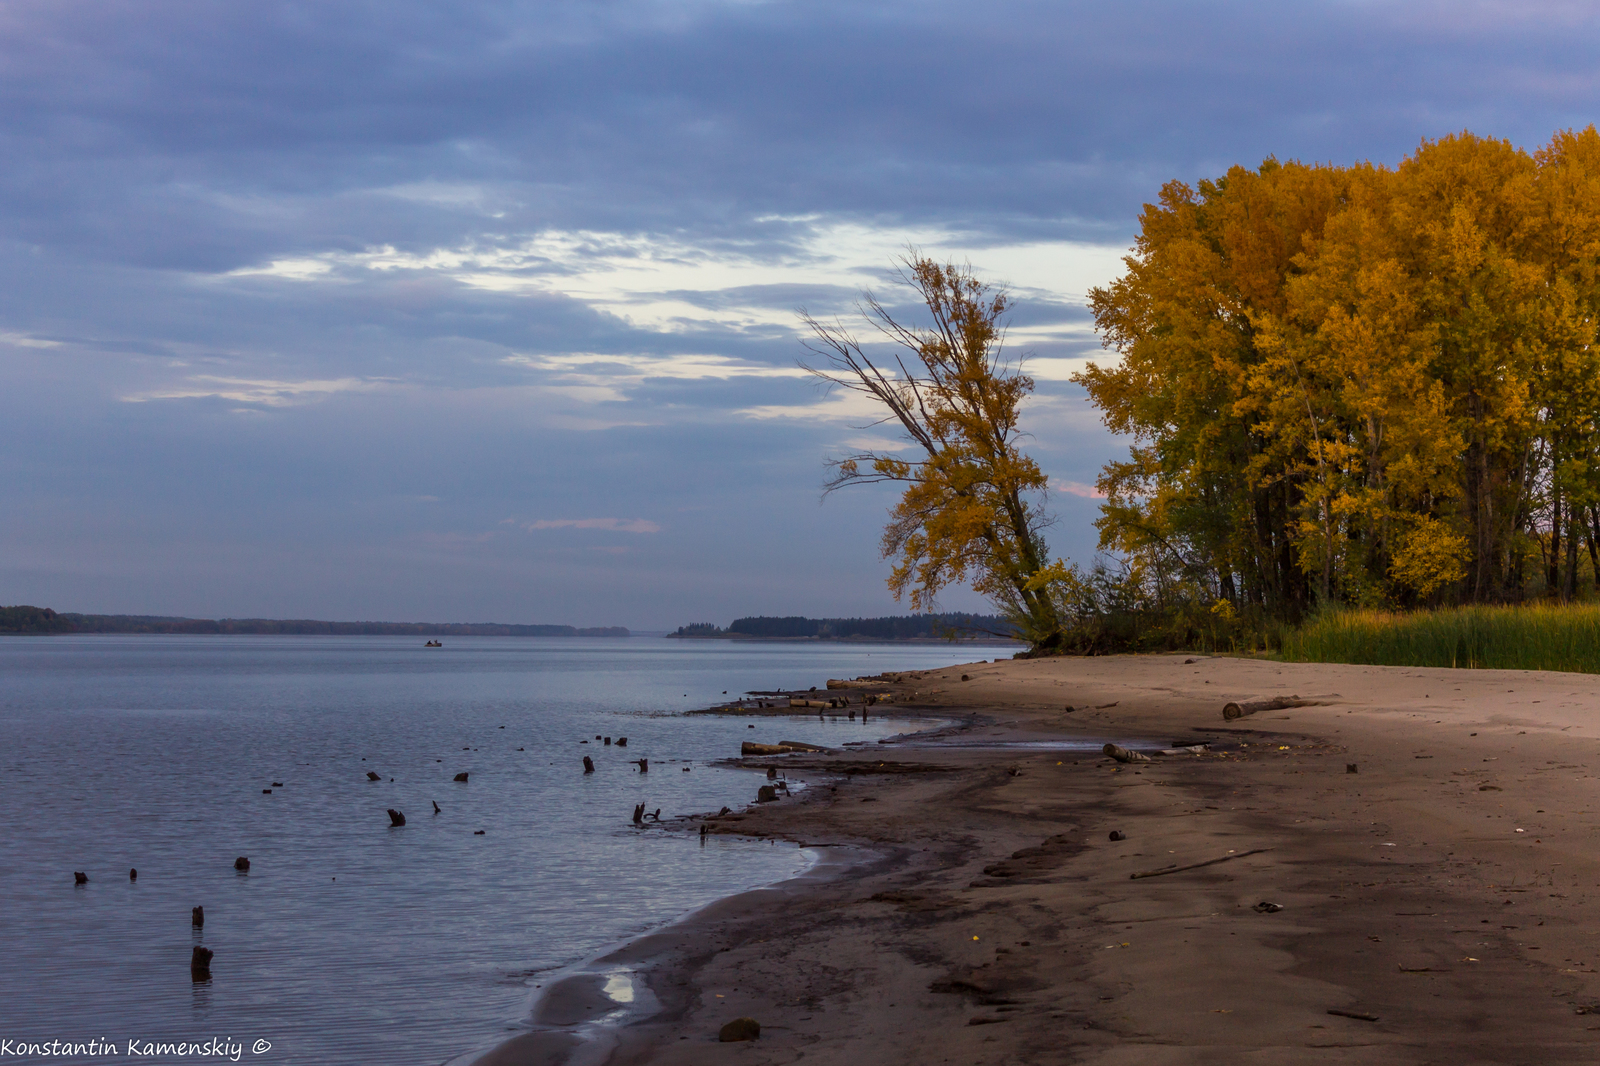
(740, 1029)
(1117, 834)
(766, 794)
(1195, 865)
(1122, 754)
(1265, 907)
(1360, 1016)
(1241, 708)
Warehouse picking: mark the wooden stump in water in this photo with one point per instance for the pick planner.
(588, 765)
(200, 963)
(766, 794)
(79, 877)
(396, 819)
(644, 766)
(373, 777)
(197, 917)
(638, 814)
(462, 777)
(242, 864)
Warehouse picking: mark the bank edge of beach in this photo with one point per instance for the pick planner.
(1436, 903)
(576, 1021)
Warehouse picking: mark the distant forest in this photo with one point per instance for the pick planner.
(21, 619)
(955, 625)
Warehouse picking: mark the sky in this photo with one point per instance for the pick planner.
(441, 312)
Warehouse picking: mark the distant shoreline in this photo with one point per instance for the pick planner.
(42, 621)
(853, 638)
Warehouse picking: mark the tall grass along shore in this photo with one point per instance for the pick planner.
(1538, 637)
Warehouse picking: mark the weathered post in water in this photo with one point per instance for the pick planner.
(644, 766)
(200, 963)
(588, 765)
(638, 815)
(396, 819)
(197, 917)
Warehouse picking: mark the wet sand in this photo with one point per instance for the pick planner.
(1446, 894)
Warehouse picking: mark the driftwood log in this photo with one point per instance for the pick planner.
(1122, 754)
(1194, 865)
(1240, 708)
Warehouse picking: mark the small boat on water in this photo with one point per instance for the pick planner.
(433, 644)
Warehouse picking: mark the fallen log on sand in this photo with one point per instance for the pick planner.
(1240, 708)
(1122, 754)
(1194, 865)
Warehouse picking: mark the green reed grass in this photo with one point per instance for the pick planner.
(1541, 637)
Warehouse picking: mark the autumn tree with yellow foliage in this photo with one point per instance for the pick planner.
(971, 507)
(1358, 384)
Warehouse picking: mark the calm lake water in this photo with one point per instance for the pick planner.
(348, 941)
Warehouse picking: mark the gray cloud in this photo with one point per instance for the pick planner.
(302, 303)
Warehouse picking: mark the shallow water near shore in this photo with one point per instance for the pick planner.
(349, 941)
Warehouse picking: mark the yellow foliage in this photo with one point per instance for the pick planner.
(1360, 383)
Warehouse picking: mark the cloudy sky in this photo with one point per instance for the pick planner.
(486, 312)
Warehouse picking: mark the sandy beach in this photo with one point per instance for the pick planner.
(1444, 894)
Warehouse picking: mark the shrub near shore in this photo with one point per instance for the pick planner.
(1536, 637)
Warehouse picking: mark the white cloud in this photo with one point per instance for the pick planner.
(265, 393)
(25, 340)
(642, 277)
(1077, 488)
(617, 525)
(604, 370)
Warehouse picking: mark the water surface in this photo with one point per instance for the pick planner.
(349, 941)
